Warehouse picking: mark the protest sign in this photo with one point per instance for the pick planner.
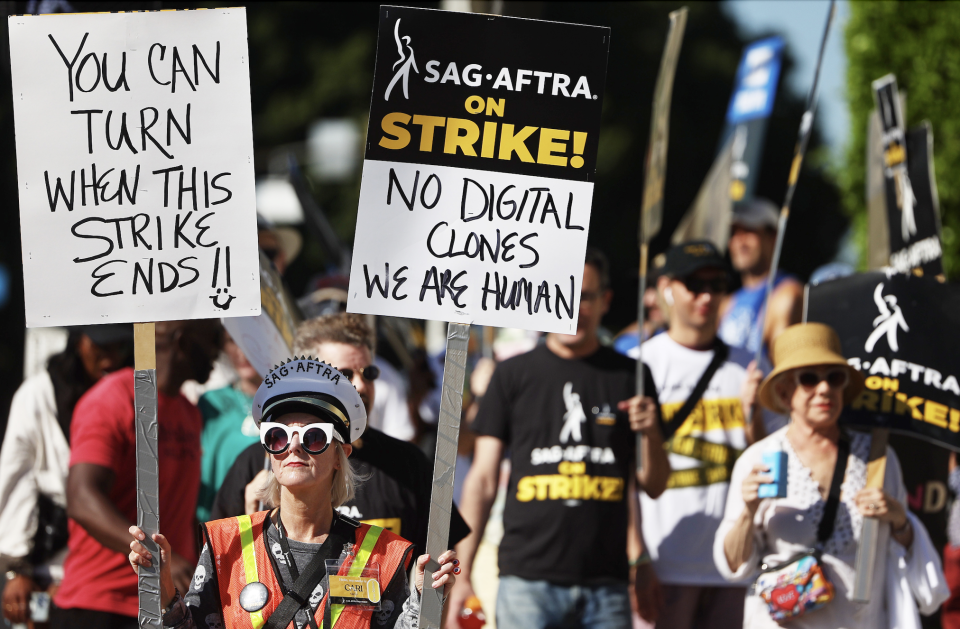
(921, 253)
(898, 329)
(479, 169)
(268, 338)
(910, 187)
(135, 164)
(750, 107)
(734, 173)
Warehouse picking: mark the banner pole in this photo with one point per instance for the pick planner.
(444, 469)
(148, 491)
(651, 212)
(806, 129)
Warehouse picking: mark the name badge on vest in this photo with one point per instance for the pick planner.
(253, 597)
(358, 589)
(354, 587)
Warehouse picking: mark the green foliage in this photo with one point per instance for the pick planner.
(917, 41)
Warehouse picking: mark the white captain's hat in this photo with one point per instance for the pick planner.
(308, 385)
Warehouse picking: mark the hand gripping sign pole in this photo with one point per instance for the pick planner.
(656, 171)
(867, 550)
(806, 128)
(450, 144)
(212, 273)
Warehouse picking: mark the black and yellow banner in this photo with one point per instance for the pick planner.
(699, 476)
(707, 415)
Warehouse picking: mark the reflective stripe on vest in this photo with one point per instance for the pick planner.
(250, 563)
(359, 563)
(240, 556)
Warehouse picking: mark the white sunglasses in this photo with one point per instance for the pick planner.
(314, 438)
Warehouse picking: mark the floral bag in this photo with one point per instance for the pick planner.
(798, 586)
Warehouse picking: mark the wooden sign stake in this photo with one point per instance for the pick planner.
(651, 212)
(867, 550)
(148, 490)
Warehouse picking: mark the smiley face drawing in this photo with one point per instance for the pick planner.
(216, 299)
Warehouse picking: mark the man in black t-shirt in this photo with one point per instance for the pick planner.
(399, 478)
(564, 411)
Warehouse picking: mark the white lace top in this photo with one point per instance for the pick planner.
(784, 527)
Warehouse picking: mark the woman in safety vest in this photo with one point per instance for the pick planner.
(302, 563)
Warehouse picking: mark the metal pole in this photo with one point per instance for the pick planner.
(806, 129)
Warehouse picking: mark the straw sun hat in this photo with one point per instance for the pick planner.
(807, 345)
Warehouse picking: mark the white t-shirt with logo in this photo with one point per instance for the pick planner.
(679, 526)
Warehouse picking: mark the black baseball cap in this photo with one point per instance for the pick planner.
(689, 257)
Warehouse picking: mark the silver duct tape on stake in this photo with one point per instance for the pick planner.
(870, 531)
(148, 488)
(444, 469)
(651, 214)
(803, 138)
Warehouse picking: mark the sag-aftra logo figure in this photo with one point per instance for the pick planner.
(887, 323)
(406, 61)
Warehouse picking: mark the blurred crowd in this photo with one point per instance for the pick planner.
(580, 503)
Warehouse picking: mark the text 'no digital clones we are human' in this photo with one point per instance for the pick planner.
(478, 171)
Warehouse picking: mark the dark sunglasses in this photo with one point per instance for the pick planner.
(369, 373)
(716, 286)
(836, 378)
(314, 438)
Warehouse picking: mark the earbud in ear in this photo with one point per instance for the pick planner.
(668, 295)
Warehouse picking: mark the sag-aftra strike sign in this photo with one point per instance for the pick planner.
(900, 331)
(480, 161)
(135, 164)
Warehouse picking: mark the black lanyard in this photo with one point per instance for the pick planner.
(292, 565)
(285, 548)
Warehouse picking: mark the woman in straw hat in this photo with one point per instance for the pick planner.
(767, 540)
(303, 563)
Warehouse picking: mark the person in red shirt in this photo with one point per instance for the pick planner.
(98, 588)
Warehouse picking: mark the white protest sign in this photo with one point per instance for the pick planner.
(135, 164)
(479, 169)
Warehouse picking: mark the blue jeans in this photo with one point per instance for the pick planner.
(523, 604)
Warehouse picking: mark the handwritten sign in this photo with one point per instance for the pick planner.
(480, 161)
(135, 163)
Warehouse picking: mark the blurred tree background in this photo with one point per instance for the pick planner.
(315, 60)
(916, 41)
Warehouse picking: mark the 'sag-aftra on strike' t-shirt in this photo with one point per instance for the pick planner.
(571, 451)
(679, 526)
